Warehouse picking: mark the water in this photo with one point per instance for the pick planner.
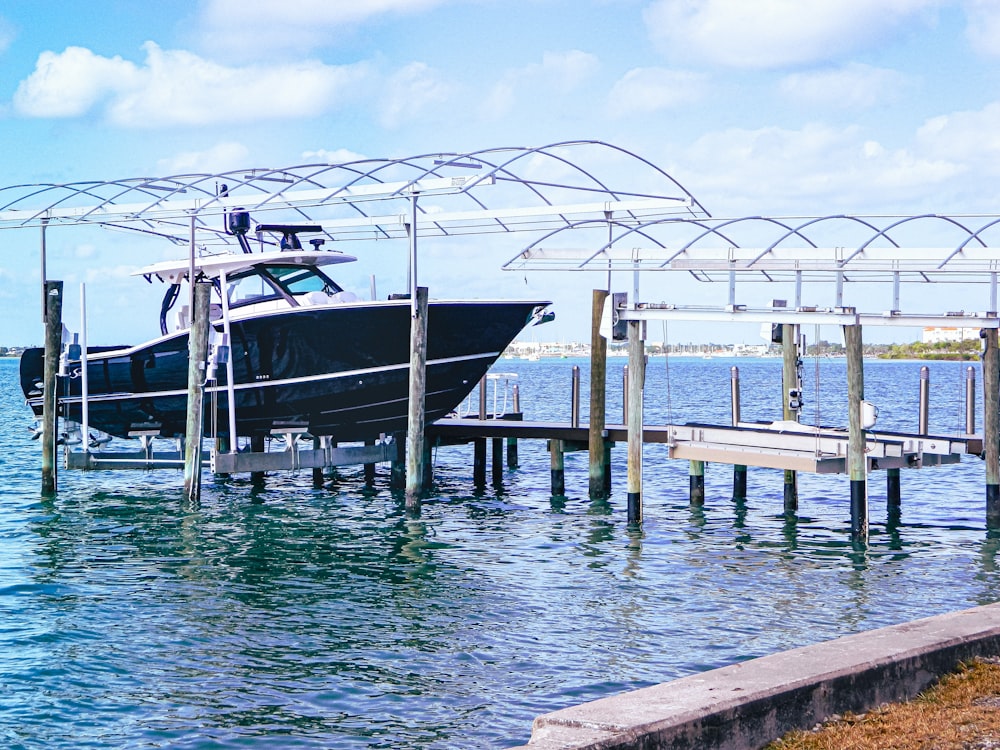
(300, 618)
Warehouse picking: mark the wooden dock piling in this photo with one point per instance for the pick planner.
(893, 490)
(557, 467)
(415, 416)
(53, 346)
(696, 481)
(991, 427)
(599, 468)
(197, 354)
(497, 467)
(856, 457)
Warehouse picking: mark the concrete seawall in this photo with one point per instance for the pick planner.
(746, 705)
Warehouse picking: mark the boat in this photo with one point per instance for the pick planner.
(305, 353)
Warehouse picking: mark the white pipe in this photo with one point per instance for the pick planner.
(230, 386)
(84, 382)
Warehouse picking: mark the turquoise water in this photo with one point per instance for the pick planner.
(301, 618)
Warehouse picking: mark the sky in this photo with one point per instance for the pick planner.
(771, 107)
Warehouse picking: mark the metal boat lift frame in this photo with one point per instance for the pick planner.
(430, 195)
(837, 250)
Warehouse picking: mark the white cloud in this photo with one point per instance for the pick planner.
(983, 28)
(558, 73)
(774, 33)
(226, 25)
(70, 83)
(175, 87)
(646, 90)
(337, 156)
(219, 158)
(815, 170)
(409, 92)
(853, 86)
(971, 137)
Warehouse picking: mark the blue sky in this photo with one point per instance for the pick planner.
(776, 107)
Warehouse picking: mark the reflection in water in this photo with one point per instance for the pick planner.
(334, 618)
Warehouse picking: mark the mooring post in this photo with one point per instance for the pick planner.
(856, 458)
(696, 480)
(625, 394)
(415, 416)
(991, 426)
(53, 348)
(739, 471)
(789, 381)
(369, 468)
(599, 468)
(479, 463)
(258, 442)
(512, 458)
(397, 471)
(482, 397)
(970, 400)
(574, 398)
(558, 467)
(317, 474)
(923, 413)
(893, 490)
(497, 467)
(636, 378)
(197, 354)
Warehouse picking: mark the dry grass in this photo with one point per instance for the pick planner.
(962, 712)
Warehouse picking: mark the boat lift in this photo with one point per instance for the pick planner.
(833, 250)
(431, 195)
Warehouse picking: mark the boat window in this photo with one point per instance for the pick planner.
(299, 280)
(265, 283)
(250, 287)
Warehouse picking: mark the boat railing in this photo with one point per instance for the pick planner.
(501, 403)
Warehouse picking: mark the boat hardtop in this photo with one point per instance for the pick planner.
(212, 266)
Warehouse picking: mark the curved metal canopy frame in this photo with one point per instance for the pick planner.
(474, 192)
(867, 246)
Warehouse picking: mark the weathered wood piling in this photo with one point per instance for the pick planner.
(53, 348)
(415, 438)
(598, 468)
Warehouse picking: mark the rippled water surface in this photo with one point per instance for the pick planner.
(296, 617)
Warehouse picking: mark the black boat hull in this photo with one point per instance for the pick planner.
(341, 371)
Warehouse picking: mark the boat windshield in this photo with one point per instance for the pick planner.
(272, 282)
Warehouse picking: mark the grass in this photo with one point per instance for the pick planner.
(961, 712)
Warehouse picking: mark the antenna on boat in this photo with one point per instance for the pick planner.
(237, 221)
(290, 233)
(239, 225)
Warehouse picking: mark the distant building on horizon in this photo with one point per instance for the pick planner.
(940, 334)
